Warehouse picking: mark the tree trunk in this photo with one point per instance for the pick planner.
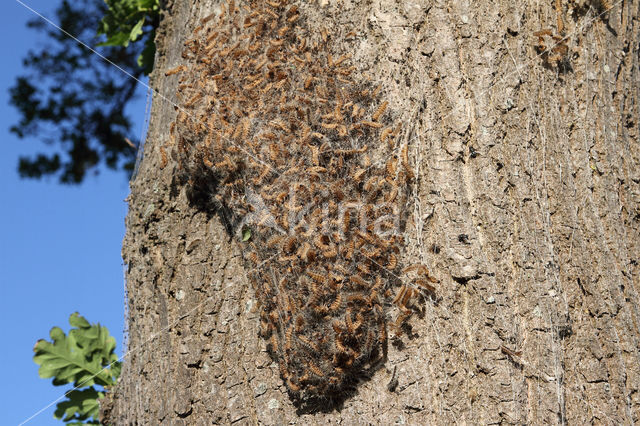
(525, 206)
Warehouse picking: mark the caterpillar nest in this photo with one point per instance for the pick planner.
(275, 128)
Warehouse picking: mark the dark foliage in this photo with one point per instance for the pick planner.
(74, 100)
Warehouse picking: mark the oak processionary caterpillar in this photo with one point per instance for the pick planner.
(268, 109)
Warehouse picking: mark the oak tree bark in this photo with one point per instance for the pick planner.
(526, 207)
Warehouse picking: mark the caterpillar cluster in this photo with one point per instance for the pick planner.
(274, 126)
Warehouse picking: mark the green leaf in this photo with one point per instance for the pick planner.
(84, 357)
(78, 358)
(125, 22)
(136, 31)
(246, 234)
(79, 405)
(147, 4)
(117, 39)
(75, 320)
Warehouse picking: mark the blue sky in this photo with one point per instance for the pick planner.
(60, 245)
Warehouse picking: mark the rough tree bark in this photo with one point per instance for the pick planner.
(526, 208)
